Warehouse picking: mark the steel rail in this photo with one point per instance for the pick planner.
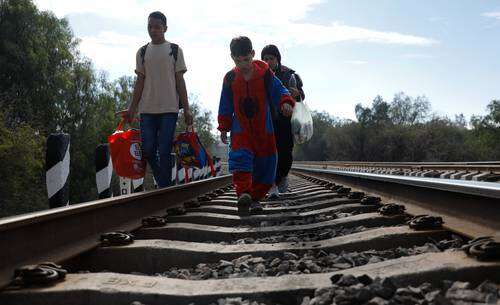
(62, 233)
(468, 207)
(483, 166)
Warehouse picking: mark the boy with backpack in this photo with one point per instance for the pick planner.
(251, 96)
(159, 92)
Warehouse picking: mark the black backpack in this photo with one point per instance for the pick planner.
(174, 51)
(268, 85)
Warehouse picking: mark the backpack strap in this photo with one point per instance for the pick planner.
(229, 78)
(299, 86)
(143, 52)
(174, 50)
(268, 84)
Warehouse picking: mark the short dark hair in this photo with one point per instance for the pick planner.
(160, 16)
(241, 46)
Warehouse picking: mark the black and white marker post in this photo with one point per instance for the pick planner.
(196, 174)
(138, 185)
(205, 171)
(181, 175)
(217, 165)
(173, 158)
(57, 169)
(103, 171)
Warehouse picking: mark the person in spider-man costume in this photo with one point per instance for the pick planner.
(250, 94)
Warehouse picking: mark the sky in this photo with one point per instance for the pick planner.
(346, 51)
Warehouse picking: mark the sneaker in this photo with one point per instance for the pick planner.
(255, 207)
(283, 185)
(273, 193)
(244, 202)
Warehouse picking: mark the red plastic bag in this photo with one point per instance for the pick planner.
(126, 153)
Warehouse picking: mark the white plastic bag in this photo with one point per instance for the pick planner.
(302, 123)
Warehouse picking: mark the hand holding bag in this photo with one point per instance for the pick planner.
(302, 123)
(190, 151)
(126, 152)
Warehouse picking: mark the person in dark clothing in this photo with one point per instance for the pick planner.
(282, 124)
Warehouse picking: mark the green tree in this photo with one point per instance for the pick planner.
(122, 89)
(406, 110)
(202, 122)
(486, 132)
(46, 85)
(22, 188)
(315, 148)
(37, 54)
(403, 130)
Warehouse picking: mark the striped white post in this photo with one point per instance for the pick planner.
(103, 171)
(209, 173)
(196, 174)
(217, 166)
(138, 185)
(174, 168)
(204, 172)
(57, 169)
(181, 175)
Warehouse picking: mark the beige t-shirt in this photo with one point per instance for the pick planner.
(159, 94)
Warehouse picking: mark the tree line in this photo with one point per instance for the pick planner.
(403, 129)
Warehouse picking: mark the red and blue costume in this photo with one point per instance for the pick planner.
(245, 110)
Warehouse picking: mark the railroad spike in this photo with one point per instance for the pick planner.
(118, 238)
(153, 221)
(356, 195)
(392, 209)
(371, 200)
(426, 222)
(42, 274)
(483, 248)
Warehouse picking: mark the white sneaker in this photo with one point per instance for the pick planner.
(273, 193)
(283, 185)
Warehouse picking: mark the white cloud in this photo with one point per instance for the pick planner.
(356, 62)
(495, 15)
(417, 56)
(204, 28)
(111, 51)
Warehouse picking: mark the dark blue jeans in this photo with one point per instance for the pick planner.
(157, 133)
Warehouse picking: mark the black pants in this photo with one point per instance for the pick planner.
(284, 145)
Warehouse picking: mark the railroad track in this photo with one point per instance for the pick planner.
(330, 240)
(475, 171)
